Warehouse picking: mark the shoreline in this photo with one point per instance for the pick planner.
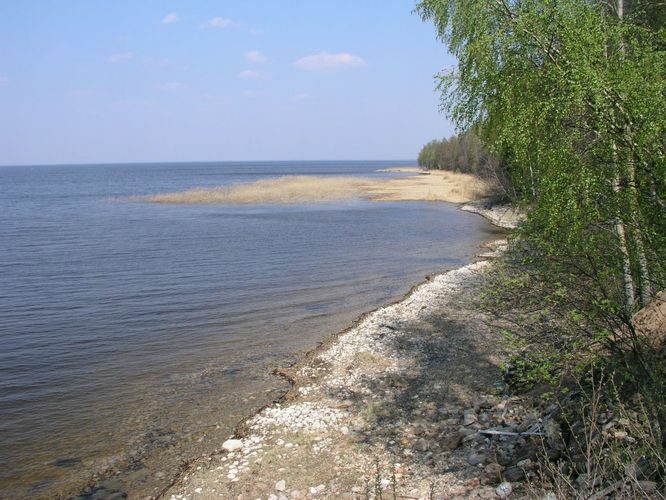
(253, 436)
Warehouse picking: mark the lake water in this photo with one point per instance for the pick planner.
(134, 335)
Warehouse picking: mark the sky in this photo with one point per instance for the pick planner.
(108, 81)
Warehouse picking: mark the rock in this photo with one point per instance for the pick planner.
(526, 464)
(476, 458)
(493, 471)
(231, 445)
(484, 404)
(281, 485)
(422, 445)
(464, 431)
(514, 474)
(504, 490)
(418, 430)
(469, 417)
(553, 434)
(296, 494)
(198, 490)
(315, 490)
(528, 421)
(584, 481)
(111, 485)
(475, 436)
(450, 442)
(272, 497)
(483, 493)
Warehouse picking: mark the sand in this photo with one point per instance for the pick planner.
(420, 185)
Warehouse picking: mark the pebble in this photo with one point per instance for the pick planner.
(504, 490)
(281, 485)
(315, 490)
(232, 445)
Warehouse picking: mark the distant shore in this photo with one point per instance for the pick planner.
(419, 185)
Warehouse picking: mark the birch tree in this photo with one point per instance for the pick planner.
(573, 92)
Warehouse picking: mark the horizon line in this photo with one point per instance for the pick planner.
(173, 162)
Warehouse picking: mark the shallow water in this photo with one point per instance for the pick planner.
(135, 335)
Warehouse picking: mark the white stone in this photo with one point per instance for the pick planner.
(198, 490)
(281, 485)
(504, 490)
(232, 445)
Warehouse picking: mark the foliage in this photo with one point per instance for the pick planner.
(572, 93)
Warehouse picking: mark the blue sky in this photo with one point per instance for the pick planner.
(85, 81)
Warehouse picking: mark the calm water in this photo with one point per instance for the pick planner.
(135, 335)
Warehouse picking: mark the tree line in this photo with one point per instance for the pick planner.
(467, 153)
(464, 153)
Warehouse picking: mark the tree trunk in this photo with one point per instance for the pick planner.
(644, 286)
(621, 232)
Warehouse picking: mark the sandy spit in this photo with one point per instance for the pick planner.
(420, 185)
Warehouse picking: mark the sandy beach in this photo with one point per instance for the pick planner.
(412, 184)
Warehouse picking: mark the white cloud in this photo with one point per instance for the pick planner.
(253, 75)
(121, 57)
(219, 22)
(255, 57)
(4, 81)
(329, 62)
(170, 18)
(172, 86)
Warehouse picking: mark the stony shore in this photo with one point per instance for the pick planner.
(400, 403)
